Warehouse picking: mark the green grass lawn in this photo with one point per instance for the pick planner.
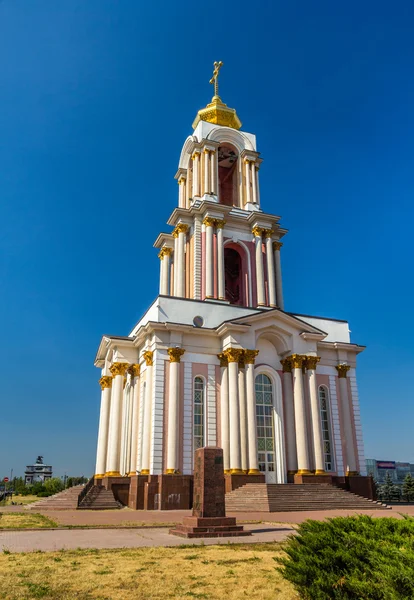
(20, 520)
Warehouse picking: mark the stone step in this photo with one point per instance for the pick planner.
(99, 498)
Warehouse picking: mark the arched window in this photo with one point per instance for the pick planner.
(326, 428)
(264, 422)
(198, 413)
(227, 174)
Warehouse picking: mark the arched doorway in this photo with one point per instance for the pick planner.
(227, 174)
(233, 276)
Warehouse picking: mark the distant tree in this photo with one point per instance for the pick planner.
(76, 481)
(396, 493)
(53, 486)
(18, 485)
(387, 488)
(408, 488)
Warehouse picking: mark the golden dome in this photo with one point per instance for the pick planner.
(219, 113)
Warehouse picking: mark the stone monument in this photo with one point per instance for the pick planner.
(209, 511)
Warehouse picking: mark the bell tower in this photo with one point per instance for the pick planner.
(223, 247)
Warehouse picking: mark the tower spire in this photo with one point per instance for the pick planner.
(214, 79)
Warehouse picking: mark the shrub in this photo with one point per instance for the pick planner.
(360, 558)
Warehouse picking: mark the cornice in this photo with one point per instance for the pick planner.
(164, 239)
(349, 347)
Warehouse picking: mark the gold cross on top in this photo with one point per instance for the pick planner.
(214, 79)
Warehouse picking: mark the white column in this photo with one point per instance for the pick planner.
(113, 465)
(278, 268)
(106, 383)
(209, 225)
(248, 188)
(179, 234)
(256, 178)
(206, 171)
(213, 171)
(249, 358)
(181, 192)
(184, 186)
(196, 172)
(311, 362)
(175, 270)
(254, 182)
(350, 460)
(243, 418)
(300, 415)
(134, 370)
(289, 415)
(220, 260)
(165, 287)
(173, 400)
(233, 356)
(224, 412)
(257, 232)
(271, 283)
(146, 430)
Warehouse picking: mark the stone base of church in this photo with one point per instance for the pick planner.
(168, 492)
(209, 527)
(137, 491)
(232, 482)
(362, 485)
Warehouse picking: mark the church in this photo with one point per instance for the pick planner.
(218, 359)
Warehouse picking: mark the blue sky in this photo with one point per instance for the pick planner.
(98, 97)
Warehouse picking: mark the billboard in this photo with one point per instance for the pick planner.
(385, 464)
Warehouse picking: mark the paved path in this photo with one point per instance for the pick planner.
(70, 539)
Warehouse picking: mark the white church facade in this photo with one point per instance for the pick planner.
(217, 359)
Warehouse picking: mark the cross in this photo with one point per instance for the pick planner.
(214, 79)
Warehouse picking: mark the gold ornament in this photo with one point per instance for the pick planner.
(118, 369)
(180, 228)
(268, 232)
(148, 357)
(257, 231)
(209, 222)
(342, 370)
(175, 354)
(287, 365)
(223, 359)
(233, 354)
(311, 362)
(277, 245)
(105, 382)
(250, 356)
(297, 360)
(220, 223)
(165, 252)
(196, 154)
(134, 370)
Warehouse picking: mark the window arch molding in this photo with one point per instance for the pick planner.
(199, 385)
(278, 420)
(231, 243)
(325, 419)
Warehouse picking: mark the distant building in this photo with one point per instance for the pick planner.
(397, 470)
(37, 473)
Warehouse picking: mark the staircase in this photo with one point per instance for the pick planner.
(99, 498)
(262, 497)
(66, 500)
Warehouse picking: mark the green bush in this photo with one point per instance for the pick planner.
(359, 557)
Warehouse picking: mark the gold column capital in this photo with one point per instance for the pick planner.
(257, 231)
(118, 368)
(250, 356)
(181, 180)
(311, 362)
(209, 222)
(223, 359)
(233, 354)
(220, 223)
(148, 356)
(286, 365)
(277, 245)
(268, 232)
(134, 370)
(175, 354)
(297, 360)
(196, 154)
(105, 382)
(342, 370)
(165, 252)
(180, 228)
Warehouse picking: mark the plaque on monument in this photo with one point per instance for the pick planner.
(209, 512)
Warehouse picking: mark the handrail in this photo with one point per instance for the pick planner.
(88, 486)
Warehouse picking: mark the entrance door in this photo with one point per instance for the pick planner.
(265, 427)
